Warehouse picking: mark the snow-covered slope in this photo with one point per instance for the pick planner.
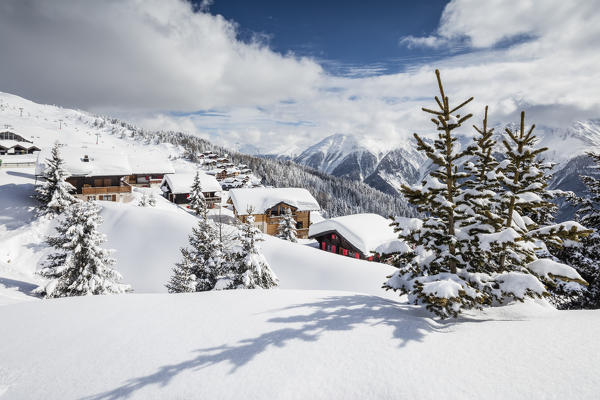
(146, 241)
(285, 344)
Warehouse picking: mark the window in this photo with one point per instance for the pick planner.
(323, 245)
(299, 225)
(345, 251)
(333, 235)
(91, 198)
(333, 248)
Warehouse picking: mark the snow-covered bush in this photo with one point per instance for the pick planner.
(53, 192)
(80, 266)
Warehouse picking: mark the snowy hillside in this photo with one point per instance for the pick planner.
(290, 345)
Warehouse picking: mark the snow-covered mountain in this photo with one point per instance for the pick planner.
(340, 155)
(343, 156)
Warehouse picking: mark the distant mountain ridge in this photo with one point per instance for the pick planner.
(343, 156)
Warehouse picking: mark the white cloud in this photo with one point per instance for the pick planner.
(151, 54)
(142, 59)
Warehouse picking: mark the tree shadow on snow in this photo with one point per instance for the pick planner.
(17, 207)
(21, 286)
(21, 174)
(334, 313)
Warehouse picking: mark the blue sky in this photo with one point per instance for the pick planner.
(340, 35)
(282, 75)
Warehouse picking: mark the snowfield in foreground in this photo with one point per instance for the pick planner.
(290, 344)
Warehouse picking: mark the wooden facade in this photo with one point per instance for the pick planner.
(211, 198)
(333, 242)
(145, 180)
(269, 221)
(107, 188)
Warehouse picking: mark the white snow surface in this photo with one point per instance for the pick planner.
(107, 161)
(286, 344)
(261, 199)
(182, 182)
(367, 232)
(344, 340)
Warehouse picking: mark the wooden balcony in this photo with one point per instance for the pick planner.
(105, 190)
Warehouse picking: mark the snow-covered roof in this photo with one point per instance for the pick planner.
(106, 161)
(366, 232)
(149, 162)
(8, 144)
(182, 182)
(261, 199)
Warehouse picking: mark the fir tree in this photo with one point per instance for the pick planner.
(205, 258)
(524, 176)
(477, 246)
(287, 227)
(54, 192)
(481, 204)
(440, 198)
(585, 256)
(183, 279)
(80, 266)
(251, 269)
(197, 202)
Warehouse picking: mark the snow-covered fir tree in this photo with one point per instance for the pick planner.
(477, 246)
(524, 176)
(183, 279)
(54, 192)
(196, 198)
(251, 269)
(287, 227)
(429, 273)
(205, 258)
(585, 256)
(481, 206)
(80, 266)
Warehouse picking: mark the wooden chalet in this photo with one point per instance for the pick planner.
(362, 236)
(12, 143)
(268, 205)
(177, 187)
(100, 173)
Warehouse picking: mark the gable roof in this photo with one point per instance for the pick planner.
(180, 183)
(261, 199)
(9, 144)
(366, 232)
(8, 135)
(106, 161)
